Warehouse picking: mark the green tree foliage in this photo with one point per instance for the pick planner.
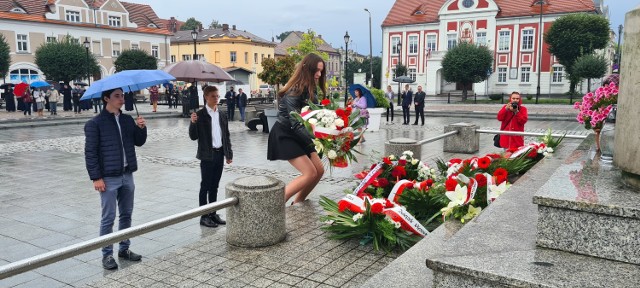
(65, 60)
(377, 70)
(590, 66)
(466, 63)
(400, 70)
(5, 59)
(190, 24)
(135, 59)
(309, 44)
(283, 35)
(215, 24)
(277, 72)
(574, 35)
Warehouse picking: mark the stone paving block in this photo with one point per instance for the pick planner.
(291, 280)
(274, 275)
(260, 282)
(42, 282)
(307, 284)
(318, 277)
(336, 281)
(174, 280)
(217, 281)
(233, 284)
(188, 283)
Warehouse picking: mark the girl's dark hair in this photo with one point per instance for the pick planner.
(303, 78)
(359, 92)
(107, 94)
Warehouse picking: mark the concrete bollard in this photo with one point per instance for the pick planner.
(398, 145)
(466, 141)
(258, 219)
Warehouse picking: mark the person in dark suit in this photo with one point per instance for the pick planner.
(419, 104)
(242, 103)
(230, 98)
(407, 97)
(211, 129)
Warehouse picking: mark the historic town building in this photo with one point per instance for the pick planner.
(419, 32)
(109, 26)
(335, 63)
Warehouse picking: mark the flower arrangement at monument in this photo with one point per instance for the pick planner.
(595, 106)
(335, 130)
(400, 198)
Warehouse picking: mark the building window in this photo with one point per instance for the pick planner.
(72, 16)
(134, 46)
(413, 44)
(525, 72)
(246, 57)
(452, 41)
(186, 57)
(481, 38)
(24, 75)
(558, 74)
(255, 58)
(199, 57)
(527, 39)
(96, 48)
(394, 45)
(504, 40)
(431, 43)
(116, 49)
(75, 40)
(502, 75)
(154, 51)
(262, 57)
(51, 39)
(23, 43)
(114, 21)
(232, 56)
(412, 73)
(173, 58)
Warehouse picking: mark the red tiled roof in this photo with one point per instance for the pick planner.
(403, 11)
(167, 23)
(143, 15)
(29, 6)
(294, 38)
(218, 33)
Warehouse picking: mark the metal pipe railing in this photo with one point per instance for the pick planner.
(567, 136)
(34, 262)
(441, 136)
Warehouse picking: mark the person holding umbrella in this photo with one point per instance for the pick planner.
(361, 103)
(27, 100)
(38, 97)
(153, 97)
(110, 156)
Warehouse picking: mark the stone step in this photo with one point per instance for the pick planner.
(585, 208)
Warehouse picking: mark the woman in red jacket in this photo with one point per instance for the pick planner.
(513, 117)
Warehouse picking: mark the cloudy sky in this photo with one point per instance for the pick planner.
(329, 18)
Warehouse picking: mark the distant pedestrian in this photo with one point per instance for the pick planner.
(128, 101)
(154, 96)
(10, 100)
(76, 93)
(66, 98)
(512, 116)
(242, 103)
(97, 105)
(407, 97)
(211, 128)
(54, 97)
(390, 96)
(110, 156)
(27, 100)
(230, 98)
(360, 102)
(38, 98)
(419, 105)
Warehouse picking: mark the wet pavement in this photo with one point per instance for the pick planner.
(48, 202)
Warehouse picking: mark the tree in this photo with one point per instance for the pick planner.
(574, 35)
(590, 66)
(191, 24)
(135, 59)
(466, 63)
(5, 59)
(283, 35)
(309, 44)
(65, 60)
(277, 72)
(400, 70)
(214, 24)
(377, 70)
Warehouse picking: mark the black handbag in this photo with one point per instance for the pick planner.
(496, 138)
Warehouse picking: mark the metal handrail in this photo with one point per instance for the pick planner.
(34, 262)
(567, 136)
(441, 136)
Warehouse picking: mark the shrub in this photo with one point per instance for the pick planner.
(529, 96)
(381, 101)
(495, 96)
(336, 95)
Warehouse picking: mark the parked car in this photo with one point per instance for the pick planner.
(266, 90)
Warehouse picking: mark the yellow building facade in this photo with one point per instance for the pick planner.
(226, 48)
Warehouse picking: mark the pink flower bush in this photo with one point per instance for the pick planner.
(595, 106)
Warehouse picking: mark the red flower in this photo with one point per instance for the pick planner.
(402, 162)
(388, 204)
(373, 166)
(429, 182)
(387, 161)
(398, 171)
(361, 175)
(340, 112)
(481, 179)
(466, 162)
(376, 208)
(533, 153)
(451, 184)
(325, 102)
(343, 205)
(383, 182)
(501, 175)
(455, 161)
(494, 156)
(484, 162)
(349, 110)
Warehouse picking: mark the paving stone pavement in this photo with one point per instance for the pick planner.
(48, 203)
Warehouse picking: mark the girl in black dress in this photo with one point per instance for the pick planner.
(288, 139)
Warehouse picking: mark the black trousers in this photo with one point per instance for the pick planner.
(406, 114)
(419, 112)
(210, 173)
(231, 109)
(390, 111)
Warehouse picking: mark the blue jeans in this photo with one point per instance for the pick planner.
(118, 192)
(53, 107)
(241, 113)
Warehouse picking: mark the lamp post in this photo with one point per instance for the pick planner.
(346, 59)
(541, 3)
(399, 48)
(618, 48)
(86, 47)
(370, 49)
(194, 36)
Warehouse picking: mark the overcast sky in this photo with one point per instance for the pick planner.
(329, 18)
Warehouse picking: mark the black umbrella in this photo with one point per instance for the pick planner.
(80, 84)
(403, 79)
(6, 85)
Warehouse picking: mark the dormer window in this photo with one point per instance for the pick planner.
(115, 21)
(72, 16)
(18, 10)
(418, 12)
(151, 25)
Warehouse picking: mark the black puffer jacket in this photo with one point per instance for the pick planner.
(288, 104)
(103, 147)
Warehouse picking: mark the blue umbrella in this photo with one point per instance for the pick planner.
(371, 101)
(130, 80)
(40, 84)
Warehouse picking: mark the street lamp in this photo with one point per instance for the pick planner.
(399, 48)
(618, 48)
(86, 47)
(194, 36)
(370, 49)
(541, 3)
(346, 59)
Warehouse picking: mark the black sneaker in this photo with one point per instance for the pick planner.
(208, 222)
(109, 263)
(128, 255)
